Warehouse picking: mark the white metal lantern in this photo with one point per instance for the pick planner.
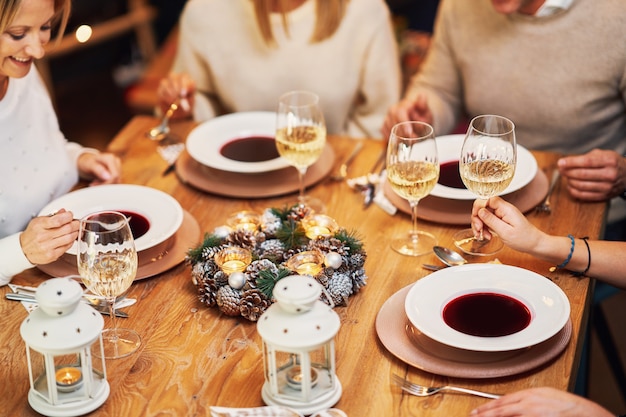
(298, 347)
(63, 344)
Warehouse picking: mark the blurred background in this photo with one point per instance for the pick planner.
(97, 86)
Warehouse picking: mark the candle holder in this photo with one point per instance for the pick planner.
(298, 347)
(233, 259)
(306, 263)
(319, 225)
(63, 336)
(244, 220)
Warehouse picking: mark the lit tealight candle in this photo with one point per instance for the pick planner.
(233, 259)
(244, 220)
(295, 377)
(68, 378)
(319, 225)
(306, 263)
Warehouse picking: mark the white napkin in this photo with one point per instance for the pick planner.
(30, 306)
(270, 411)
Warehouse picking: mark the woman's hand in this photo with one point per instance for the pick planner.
(177, 87)
(541, 402)
(506, 221)
(102, 168)
(46, 238)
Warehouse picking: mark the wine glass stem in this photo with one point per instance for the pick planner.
(301, 173)
(111, 304)
(414, 234)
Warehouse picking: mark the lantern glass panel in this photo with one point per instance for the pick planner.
(38, 372)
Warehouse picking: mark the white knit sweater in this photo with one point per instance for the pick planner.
(355, 72)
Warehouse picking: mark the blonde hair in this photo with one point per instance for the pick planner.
(9, 8)
(328, 18)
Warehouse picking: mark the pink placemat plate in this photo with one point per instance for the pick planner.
(410, 346)
(449, 211)
(255, 185)
(152, 261)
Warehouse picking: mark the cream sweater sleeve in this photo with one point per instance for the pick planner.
(12, 259)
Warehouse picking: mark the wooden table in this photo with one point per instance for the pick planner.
(192, 357)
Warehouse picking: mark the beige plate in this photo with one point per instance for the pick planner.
(257, 185)
(152, 261)
(447, 211)
(415, 349)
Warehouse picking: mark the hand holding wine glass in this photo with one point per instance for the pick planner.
(107, 264)
(301, 136)
(486, 166)
(412, 172)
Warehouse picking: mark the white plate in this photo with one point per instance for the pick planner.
(162, 211)
(548, 305)
(205, 142)
(449, 149)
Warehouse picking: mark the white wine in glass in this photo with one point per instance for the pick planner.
(412, 172)
(301, 136)
(107, 264)
(486, 166)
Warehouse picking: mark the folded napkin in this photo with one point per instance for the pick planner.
(361, 184)
(270, 411)
(30, 306)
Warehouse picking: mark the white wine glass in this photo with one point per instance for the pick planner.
(412, 172)
(107, 264)
(301, 137)
(486, 166)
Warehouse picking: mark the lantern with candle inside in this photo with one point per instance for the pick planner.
(233, 259)
(309, 262)
(298, 333)
(319, 225)
(63, 344)
(244, 220)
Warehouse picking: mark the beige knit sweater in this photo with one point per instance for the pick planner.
(560, 78)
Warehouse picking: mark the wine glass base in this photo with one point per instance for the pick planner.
(467, 243)
(316, 205)
(119, 343)
(414, 244)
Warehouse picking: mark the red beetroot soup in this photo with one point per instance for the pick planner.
(250, 149)
(486, 314)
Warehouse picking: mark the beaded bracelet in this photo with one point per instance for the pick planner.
(569, 257)
(580, 274)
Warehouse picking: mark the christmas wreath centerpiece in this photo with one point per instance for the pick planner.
(236, 267)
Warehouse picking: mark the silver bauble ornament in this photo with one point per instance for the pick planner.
(332, 260)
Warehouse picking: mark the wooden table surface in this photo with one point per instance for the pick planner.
(192, 357)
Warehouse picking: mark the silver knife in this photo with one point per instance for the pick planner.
(103, 309)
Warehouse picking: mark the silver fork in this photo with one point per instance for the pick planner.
(343, 169)
(544, 207)
(422, 391)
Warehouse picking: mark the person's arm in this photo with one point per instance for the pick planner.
(541, 402)
(12, 258)
(607, 258)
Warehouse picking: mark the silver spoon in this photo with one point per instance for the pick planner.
(161, 131)
(448, 256)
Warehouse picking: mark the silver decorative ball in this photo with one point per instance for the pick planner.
(237, 280)
(332, 260)
(222, 231)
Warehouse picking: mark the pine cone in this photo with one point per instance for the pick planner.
(207, 291)
(228, 300)
(253, 304)
(270, 223)
(252, 272)
(245, 239)
(271, 249)
(340, 288)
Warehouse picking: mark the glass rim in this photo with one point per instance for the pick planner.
(496, 116)
(311, 98)
(122, 222)
(430, 133)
